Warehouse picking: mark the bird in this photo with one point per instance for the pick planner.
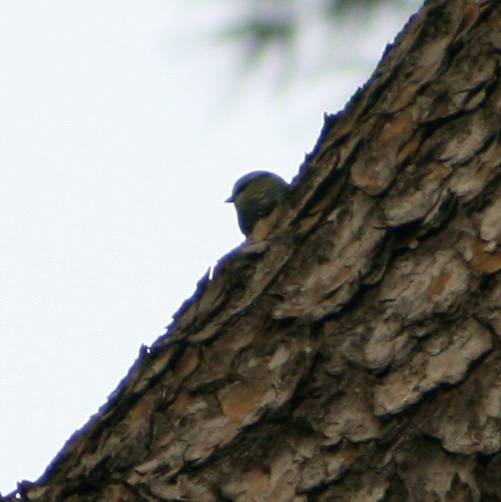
(255, 195)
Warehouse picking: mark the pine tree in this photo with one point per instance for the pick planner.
(351, 353)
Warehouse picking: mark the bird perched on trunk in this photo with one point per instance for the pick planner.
(255, 195)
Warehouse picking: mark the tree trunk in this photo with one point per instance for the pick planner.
(352, 352)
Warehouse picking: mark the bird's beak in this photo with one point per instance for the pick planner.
(230, 199)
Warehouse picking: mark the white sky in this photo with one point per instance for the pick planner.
(123, 126)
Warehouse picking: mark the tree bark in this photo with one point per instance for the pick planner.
(351, 352)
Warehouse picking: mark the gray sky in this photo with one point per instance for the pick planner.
(124, 126)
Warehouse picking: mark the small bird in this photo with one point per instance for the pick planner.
(255, 195)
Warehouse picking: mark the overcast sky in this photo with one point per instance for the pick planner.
(124, 126)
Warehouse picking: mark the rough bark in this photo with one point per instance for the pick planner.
(352, 352)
